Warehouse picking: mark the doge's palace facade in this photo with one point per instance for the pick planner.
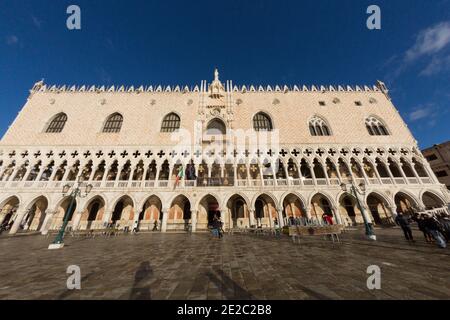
(169, 156)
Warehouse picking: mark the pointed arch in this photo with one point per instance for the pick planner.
(262, 122)
(406, 202)
(8, 207)
(216, 126)
(305, 169)
(209, 207)
(256, 196)
(379, 207)
(293, 206)
(62, 209)
(238, 210)
(113, 123)
(240, 194)
(35, 213)
(265, 209)
(355, 167)
(321, 203)
(211, 195)
(123, 208)
(93, 213)
(432, 199)
(394, 168)
(382, 168)
(292, 168)
(57, 123)
(171, 122)
(324, 194)
(318, 126)
(349, 209)
(318, 168)
(344, 170)
(150, 212)
(375, 126)
(369, 168)
(420, 168)
(12, 198)
(407, 168)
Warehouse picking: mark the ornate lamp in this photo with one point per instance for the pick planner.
(355, 191)
(58, 243)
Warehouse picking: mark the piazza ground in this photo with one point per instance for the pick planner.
(183, 266)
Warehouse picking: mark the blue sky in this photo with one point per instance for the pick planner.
(252, 42)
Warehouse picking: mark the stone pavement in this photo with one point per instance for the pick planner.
(182, 266)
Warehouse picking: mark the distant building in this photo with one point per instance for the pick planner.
(439, 158)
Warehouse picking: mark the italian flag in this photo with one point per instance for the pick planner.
(180, 176)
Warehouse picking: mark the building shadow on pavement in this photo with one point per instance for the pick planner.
(230, 290)
(140, 290)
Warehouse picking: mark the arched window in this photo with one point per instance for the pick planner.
(262, 122)
(113, 123)
(57, 124)
(216, 126)
(318, 127)
(375, 127)
(170, 123)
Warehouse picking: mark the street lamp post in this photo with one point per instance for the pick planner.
(58, 243)
(356, 192)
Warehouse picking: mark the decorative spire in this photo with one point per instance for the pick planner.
(38, 85)
(216, 87)
(383, 88)
(216, 75)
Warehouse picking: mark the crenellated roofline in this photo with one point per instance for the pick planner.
(42, 87)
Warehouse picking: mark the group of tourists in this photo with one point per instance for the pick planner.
(7, 225)
(435, 228)
(327, 219)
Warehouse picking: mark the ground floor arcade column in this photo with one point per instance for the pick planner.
(21, 212)
(280, 217)
(47, 222)
(76, 220)
(194, 220)
(164, 220)
(252, 217)
(337, 215)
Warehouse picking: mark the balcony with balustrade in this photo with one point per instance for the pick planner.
(289, 172)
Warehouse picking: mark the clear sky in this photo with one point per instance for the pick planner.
(251, 42)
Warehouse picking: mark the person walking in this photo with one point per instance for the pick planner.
(135, 229)
(220, 228)
(216, 227)
(432, 225)
(421, 224)
(445, 224)
(327, 219)
(155, 226)
(403, 221)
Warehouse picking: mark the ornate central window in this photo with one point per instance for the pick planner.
(262, 122)
(216, 126)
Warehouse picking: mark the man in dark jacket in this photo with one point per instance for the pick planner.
(421, 224)
(403, 221)
(445, 224)
(433, 226)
